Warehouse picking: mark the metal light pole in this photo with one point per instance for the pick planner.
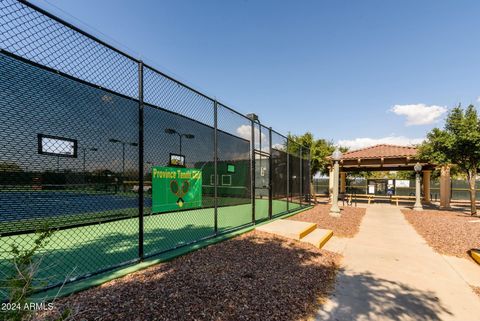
(172, 131)
(336, 156)
(85, 156)
(418, 202)
(113, 140)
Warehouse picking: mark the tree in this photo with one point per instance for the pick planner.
(377, 174)
(10, 167)
(458, 143)
(320, 149)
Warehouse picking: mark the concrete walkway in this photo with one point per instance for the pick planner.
(390, 273)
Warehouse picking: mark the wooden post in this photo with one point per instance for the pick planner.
(445, 186)
(426, 185)
(343, 185)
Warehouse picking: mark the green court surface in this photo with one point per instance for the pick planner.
(82, 250)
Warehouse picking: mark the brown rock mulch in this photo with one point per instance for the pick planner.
(447, 232)
(255, 276)
(476, 290)
(347, 225)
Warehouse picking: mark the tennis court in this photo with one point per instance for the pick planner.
(27, 205)
(88, 129)
(108, 244)
(20, 210)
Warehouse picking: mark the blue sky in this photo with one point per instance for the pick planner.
(384, 71)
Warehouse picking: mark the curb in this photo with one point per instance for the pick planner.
(475, 254)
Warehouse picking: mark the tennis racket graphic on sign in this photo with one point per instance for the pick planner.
(180, 192)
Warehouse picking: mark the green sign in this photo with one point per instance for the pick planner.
(230, 168)
(175, 188)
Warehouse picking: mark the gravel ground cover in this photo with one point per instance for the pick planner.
(448, 232)
(255, 276)
(346, 225)
(476, 290)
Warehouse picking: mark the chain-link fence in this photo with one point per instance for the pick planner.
(459, 189)
(88, 135)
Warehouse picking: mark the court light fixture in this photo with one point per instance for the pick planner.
(252, 117)
(172, 131)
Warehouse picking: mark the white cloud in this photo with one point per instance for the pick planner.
(363, 142)
(245, 131)
(478, 99)
(279, 146)
(419, 114)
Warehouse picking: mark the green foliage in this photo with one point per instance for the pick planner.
(405, 175)
(458, 143)
(10, 167)
(384, 174)
(20, 284)
(454, 173)
(379, 174)
(320, 149)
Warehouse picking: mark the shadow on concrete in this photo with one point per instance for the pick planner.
(366, 297)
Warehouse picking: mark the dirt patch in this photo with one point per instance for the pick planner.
(347, 225)
(256, 276)
(476, 290)
(450, 233)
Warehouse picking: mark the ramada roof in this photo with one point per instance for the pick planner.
(381, 151)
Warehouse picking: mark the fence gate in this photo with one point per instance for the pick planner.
(262, 186)
(263, 174)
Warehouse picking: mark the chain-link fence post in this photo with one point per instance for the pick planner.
(86, 144)
(215, 165)
(310, 178)
(253, 170)
(288, 177)
(301, 174)
(141, 166)
(270, 175)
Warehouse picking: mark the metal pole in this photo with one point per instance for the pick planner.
(288, 178)
(270, 179)
(180, 143)
(252, 171)
(260, 160)
(260, 140)
(123, 167)
(301, 174)
(141, 164)
(215, 165)
(84, 156)
(309, 178)
(123, 161)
